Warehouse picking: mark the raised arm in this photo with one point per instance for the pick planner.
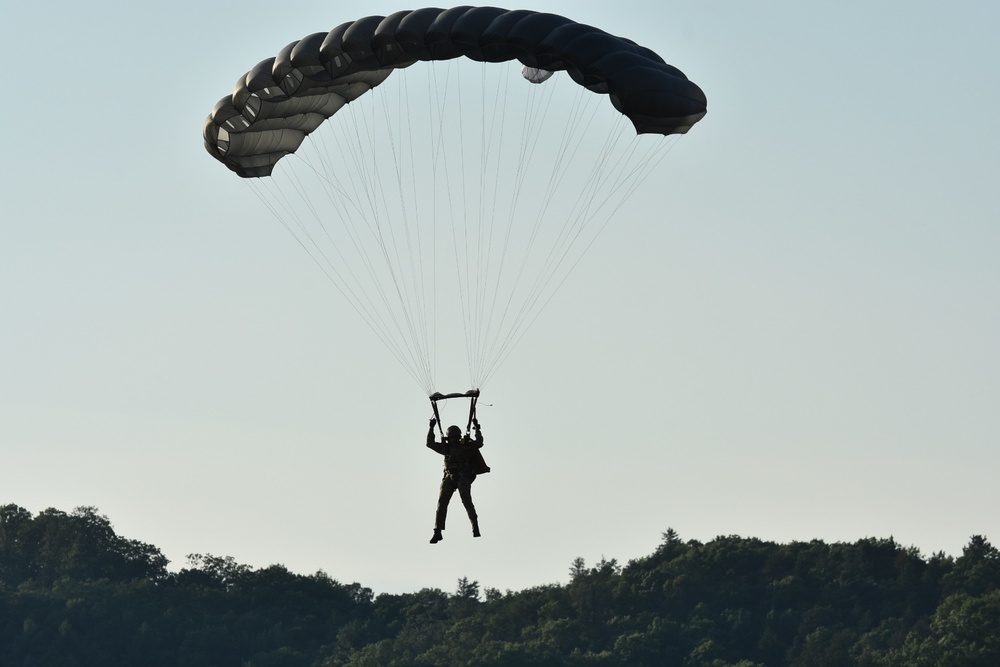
(432, 442)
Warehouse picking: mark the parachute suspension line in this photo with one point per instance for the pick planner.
(491, 147)
(390, 255)
(327, 267)
(653, 158)
(433, 239)
(411, 229)
(567, 155)
(361, 199)
(482, 262)
(533, 221)
(530, 308)
(464, 279)
(574, 131)
(460, 246)
(631, 179)
(408, 133)
(337, 196)
(483, 291)
(356, 145)
(438, 93)
(628, 172)
(569, 234)
(356, 236)
(502, 97)
(625, 184)
(576, 219)
(534, 111)
(389, 245)
(302, 233)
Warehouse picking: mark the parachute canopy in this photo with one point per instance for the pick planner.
(287, 97)
(450, 204)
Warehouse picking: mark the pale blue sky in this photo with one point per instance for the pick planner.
(792, 334)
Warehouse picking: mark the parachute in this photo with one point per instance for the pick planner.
(463, 193)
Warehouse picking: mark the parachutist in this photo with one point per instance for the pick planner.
(462, 462)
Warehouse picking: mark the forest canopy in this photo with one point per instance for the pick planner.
(74, 592)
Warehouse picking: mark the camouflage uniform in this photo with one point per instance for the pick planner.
(462, 461)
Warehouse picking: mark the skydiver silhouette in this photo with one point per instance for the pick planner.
(462, 462)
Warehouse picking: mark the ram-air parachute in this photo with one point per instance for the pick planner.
(457, 196)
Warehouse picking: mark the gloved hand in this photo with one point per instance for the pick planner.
(433, 422)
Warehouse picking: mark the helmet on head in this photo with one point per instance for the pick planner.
(454, 432)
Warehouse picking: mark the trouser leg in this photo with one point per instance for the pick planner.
(465, 493)
(444, 497)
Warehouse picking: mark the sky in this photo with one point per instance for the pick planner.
(789, 334)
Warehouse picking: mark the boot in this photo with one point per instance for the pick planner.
(437, 536)
(475, 529)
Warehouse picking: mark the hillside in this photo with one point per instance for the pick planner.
(73, 592)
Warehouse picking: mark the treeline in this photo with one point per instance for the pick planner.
(73, 593)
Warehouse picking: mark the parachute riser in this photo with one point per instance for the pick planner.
(472, 414)
(472, 394)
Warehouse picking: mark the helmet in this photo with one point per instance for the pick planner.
(454, 432)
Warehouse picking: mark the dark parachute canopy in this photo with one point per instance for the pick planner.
(285, 98)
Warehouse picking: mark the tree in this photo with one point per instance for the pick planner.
(977, 571)
(81, 545)
(965, 630)
(467, 590)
